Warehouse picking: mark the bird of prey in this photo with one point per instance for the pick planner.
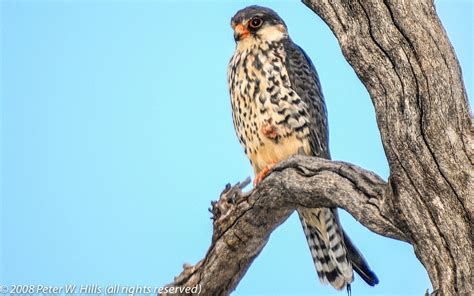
(278, 110)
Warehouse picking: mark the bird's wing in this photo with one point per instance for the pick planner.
(305, 82)
(326, 238)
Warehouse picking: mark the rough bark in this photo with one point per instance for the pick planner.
(243, 222)
(402, 55)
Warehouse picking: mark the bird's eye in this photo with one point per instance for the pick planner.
(255, 22)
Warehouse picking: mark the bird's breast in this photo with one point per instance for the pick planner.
(268, 115)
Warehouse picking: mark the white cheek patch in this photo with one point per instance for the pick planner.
(272, 33)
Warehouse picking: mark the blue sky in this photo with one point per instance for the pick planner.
(117, 133)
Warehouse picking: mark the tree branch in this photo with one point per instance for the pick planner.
(402, 55)
(243, 222)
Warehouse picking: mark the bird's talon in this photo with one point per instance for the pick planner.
(263, 173)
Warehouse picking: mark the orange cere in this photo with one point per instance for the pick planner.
(242, 31)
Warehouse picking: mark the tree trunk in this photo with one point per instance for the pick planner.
(402, 55)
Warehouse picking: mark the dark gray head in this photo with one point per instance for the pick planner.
(259, 23)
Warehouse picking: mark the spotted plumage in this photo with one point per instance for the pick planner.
(278, 110)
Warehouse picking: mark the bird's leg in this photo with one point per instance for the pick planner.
(263, 173)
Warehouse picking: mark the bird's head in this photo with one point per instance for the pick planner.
(256, 24)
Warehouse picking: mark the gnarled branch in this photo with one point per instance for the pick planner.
(243, 222)
(402, 55)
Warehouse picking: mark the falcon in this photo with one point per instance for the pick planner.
(278, 110)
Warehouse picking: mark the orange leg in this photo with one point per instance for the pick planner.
(262, 174)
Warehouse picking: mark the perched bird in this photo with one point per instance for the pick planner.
(278, 110)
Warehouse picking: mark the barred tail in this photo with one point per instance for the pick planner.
(326, 243)
(333, 253)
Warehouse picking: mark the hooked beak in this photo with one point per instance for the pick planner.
(240, 32)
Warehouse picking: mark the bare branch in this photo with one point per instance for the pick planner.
(243, 222)
(402, 55)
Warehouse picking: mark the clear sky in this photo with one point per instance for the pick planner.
(116, 134)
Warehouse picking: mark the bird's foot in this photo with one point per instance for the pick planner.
(262, 174)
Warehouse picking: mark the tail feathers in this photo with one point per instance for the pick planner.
(334, 254)
(359, 263)
(327, 246)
